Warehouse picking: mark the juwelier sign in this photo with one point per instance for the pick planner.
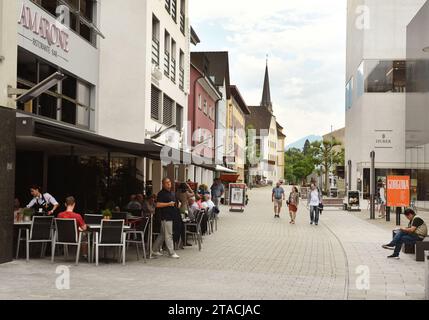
(383, 139)
(45, 36)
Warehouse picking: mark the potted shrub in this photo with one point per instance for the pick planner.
(107, 214)
(27, 213)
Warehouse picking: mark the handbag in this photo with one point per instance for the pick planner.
(321, 206)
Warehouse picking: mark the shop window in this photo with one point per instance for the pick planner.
(47, 106)
(87, 8)
(385, 76)
(68, 108)
(27, 66)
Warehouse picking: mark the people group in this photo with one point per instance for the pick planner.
(170, 208)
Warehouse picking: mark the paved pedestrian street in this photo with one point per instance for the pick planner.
(251, 256)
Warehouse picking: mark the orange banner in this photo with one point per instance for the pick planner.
(398, 191)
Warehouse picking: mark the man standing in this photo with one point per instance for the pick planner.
(417, 231)
(218, 191)
(166, 204)
(278, 196)
(314, 201)
(42, 202)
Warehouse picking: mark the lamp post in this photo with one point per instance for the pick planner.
(372, 186)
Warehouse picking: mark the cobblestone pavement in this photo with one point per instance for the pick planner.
(252, 256)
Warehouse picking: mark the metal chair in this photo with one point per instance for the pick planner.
(93, 218)
(120, 216)
(139, 232)
(111, 235)
(194, 228)
(67, 234)
(40, 232)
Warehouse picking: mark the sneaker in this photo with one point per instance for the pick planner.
(393, 257)
(174, 256)
(157, 254)
(316, 224)
(311, 222)
(388, 247)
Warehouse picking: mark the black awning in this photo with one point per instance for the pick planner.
(36, 127)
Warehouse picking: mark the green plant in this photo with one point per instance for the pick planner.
(27, 212)
(107, 213)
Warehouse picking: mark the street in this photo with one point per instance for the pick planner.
(251, 256)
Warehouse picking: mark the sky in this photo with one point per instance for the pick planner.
(305, 41)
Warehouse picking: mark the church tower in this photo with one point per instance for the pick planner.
(266, 95)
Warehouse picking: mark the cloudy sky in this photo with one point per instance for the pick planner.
(305, 41)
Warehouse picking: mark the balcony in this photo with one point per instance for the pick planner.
(155, 52)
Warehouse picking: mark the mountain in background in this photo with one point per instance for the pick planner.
(300, 143)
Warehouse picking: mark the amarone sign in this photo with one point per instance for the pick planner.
(52, 32)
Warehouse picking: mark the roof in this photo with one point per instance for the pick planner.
(194, 37)
(239, 98)
(280, 133)
(215, 64)
(260, 118)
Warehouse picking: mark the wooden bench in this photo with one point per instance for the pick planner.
(421, 247)
(333, 203)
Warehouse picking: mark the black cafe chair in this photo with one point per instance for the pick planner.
(139, 237)
(67, 234)
(93, 218)
(111, 235)
(120, 216)
(194, 228)
(40, 232)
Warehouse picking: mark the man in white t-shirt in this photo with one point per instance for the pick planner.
(382, 202)
(314, 200)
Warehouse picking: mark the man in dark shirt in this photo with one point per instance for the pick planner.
(166, 204)
(416, 231)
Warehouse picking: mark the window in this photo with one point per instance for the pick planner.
(69, 101)
(200, 104)
(155, 41)
(167, 54)
(385, 76)
(167, 114)
(179, 118)
(182, 71)
(173, 61)
(349, 94)
(360, 81)
(155, 103)
(182, 16)
(174, 10)
(205, 107)
(81, 15)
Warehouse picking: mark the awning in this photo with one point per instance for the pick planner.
(35, 127)
(218, 168)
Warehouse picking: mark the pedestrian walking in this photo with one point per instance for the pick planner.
(166, 204)
(293, 204)
(278, 196)
(217, 191)
(314, 201)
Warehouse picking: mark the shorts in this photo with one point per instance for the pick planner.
(278, 203)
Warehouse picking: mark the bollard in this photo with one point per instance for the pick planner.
(427, 274)
(387, 214)
(398, 216)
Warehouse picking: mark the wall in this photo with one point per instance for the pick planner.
(8, 50)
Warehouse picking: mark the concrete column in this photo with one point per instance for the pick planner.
(7, 178)
(156, 176)
(171, 174)
(141, 172)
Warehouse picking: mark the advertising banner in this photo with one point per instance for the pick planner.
(398, 191)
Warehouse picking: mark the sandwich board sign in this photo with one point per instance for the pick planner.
(398, 191)
(237, 196)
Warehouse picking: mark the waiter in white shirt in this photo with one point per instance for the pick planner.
(42, 202)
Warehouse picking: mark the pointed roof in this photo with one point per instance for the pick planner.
(266, 95)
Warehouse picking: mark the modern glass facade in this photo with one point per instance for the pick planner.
(417, 101)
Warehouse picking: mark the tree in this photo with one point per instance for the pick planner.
(307, 147)
(327, 156)
(298, 166)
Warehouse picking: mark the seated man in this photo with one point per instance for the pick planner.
(134, 204)
(70, 214)
(416, 231)
(193, 208)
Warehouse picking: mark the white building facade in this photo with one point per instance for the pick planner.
(375, 88)
(145, 78)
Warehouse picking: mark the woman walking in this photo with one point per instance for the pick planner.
(293, 204)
